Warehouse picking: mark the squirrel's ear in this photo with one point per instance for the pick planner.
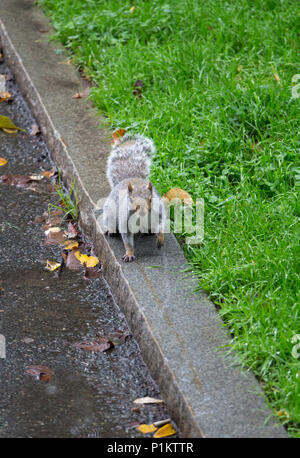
(130, 187)
(150, 186)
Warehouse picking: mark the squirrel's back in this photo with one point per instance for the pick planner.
(130, 157)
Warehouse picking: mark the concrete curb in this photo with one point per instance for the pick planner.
(178, 330)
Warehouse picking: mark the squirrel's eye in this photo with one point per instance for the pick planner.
(138, 207)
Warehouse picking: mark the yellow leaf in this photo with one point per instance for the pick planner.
(52, 265)
(4, 96)
(70, 244)
(10, 131)
(145, 429)
(92, 261)
(3, 161)
(164, 431)
(132, 9)
(6, 123)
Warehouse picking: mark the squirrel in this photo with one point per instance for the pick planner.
(133, 204)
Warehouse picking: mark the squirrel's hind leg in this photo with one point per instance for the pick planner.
(128, 243)
(160, 240)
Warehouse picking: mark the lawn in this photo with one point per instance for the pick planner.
(217, 100)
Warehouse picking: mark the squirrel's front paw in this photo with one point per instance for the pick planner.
(127, 258)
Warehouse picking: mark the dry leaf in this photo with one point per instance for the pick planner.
(16, 180)
(52, 265)
(40, 372)
(49, 173)
(177, 193)
(54, 237)
(145, 429)
(36, 177)
(101, 344)
(91, 273)
(70, 244)
(72, 262)
(82, 95)
(52, 229)
(4, 95)
(89, 261)
(164, 431)
(148, 400)
(2, 161)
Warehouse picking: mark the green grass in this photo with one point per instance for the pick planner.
(226, 130)
(68, 201)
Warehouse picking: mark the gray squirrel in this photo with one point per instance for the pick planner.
(133, 204)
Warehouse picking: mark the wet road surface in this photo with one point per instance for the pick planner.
(91, 394)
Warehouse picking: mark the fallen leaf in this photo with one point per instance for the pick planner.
(135, 410)
(27, 340)
(20, 181)
(52, 229)
(72, 231)
(10, 131)
(36, 177)
(132, 9)
(6, 123)
(91, 273)
(4, 95)
(145, 429)
(82, 95)
(70, 244)
(72, 262)
(100, 344)
(148, 400)
(2, 161)
(52, 265)
(89, 261)
(164, 431)
(54, 237)
(40, 372)
(49, 173)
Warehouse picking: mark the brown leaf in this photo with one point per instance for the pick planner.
(82, 95)
(72, 230)
(91, 273)
(101, 344)
(20, 181)
(54, 238)
(40, 372)
(49, 173)
(72, 262)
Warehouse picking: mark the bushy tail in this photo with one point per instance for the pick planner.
(130, 157)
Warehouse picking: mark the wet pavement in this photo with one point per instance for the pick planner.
(91, 394)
